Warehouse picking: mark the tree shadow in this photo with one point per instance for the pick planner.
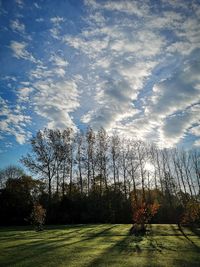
(187, 237)
(129, 245)
(109, 257)
(28, 252)
(195, 230)
(124, 252)
(149, 255)
(178, 259)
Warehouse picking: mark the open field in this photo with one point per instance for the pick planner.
(99, 245)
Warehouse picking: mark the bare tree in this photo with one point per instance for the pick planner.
(115, 141)
(102, 139)
(79, 158)
(142, 157)
(196, 165)
(42, 160)
(187, 167)
(133, 167)
(124, 165)
(90, 161)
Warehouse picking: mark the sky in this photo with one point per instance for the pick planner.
(130, 66)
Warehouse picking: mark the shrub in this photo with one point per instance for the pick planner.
(191, 214)
(142, 214)
(38, 216)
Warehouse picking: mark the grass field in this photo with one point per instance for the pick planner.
(99, 245)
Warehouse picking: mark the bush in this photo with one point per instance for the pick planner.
(38, 216)
(191, 215)
(142, 214)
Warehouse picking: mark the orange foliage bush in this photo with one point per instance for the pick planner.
(143, 213)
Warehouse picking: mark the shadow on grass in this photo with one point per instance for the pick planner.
(187, 237)
(39, 248)
(153, 255)
(114, 255)
(196, 231)
(124, 252)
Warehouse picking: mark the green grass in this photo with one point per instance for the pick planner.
(99, 245)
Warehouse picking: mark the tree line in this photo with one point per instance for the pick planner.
(95, 177)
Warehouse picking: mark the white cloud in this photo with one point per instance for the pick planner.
(130, 7)
(168, 114)
(55, 33)
(19, 51)
(40, 72)
(39, 20)
(173, 108)
(53, 96)
(197, 143)
(20, 137)
(17, 26)
(43, 72)
(137, 73)
(123, 56)
(139, 62)
(98, 18)
(13, 122)
(177, 4)
(89, 47)
(60, 72)
(188, 34)
(175, 127)
(9, 78)
(114, 104)
(57, 20)
(55, 100)
(24, 94)
(177, 92)
(59, 61)
(195, 130)
(20, 3)
(36, 5)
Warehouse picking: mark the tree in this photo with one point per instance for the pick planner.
(102, 150)
(90, 157)
(79, 159)
(43, 159)
(10, 172)
(92, 170)
(115, 152)
(196, 166)
(17, 199)
(124, 156)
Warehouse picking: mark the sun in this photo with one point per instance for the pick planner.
(149, 167)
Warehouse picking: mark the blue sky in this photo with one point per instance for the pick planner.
(129, 66)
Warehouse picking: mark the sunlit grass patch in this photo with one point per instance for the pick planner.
(99, 245)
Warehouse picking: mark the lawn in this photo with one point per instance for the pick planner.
(99, 245)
